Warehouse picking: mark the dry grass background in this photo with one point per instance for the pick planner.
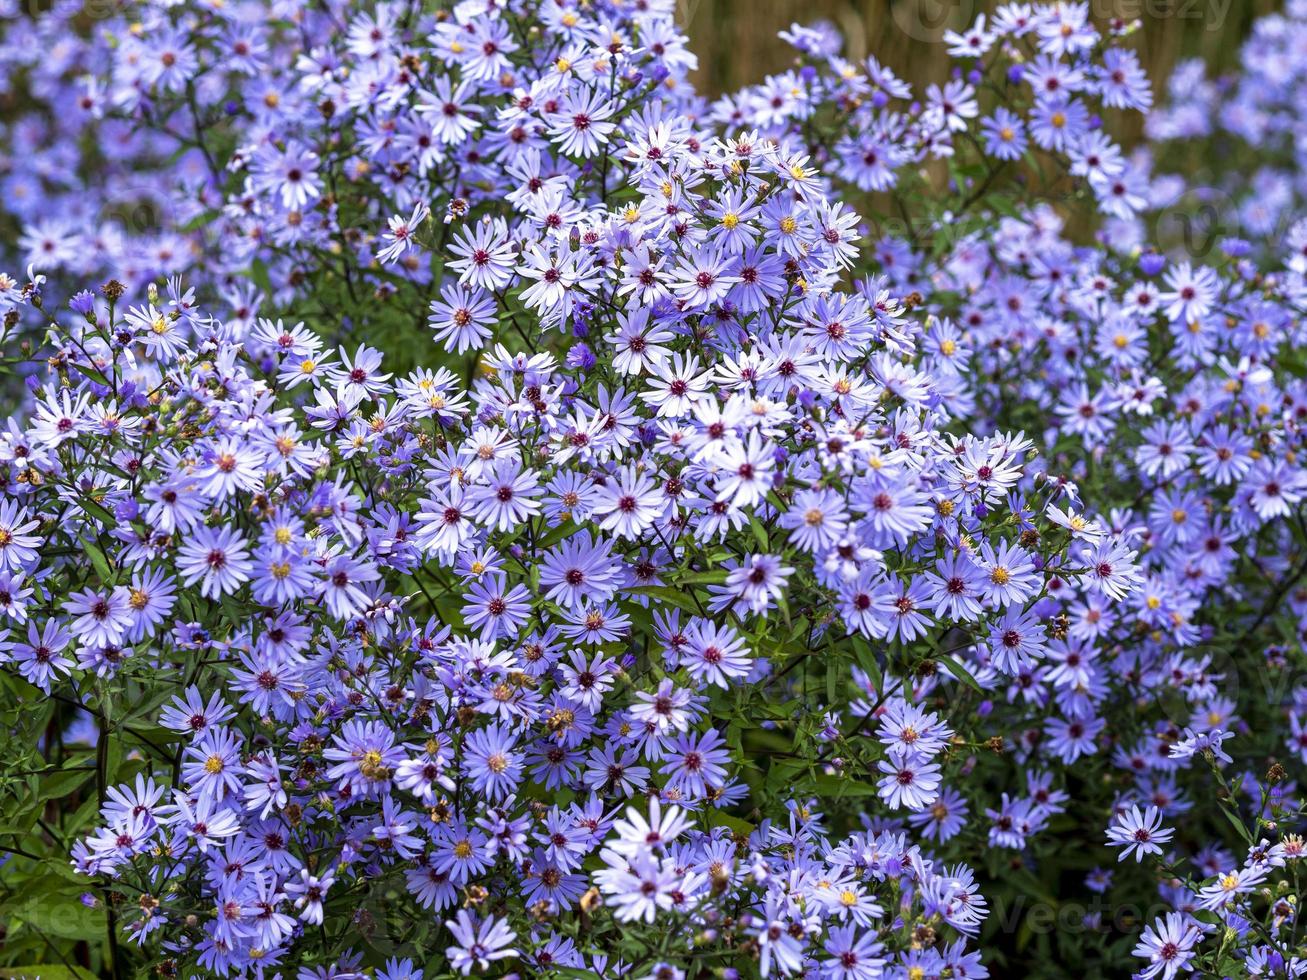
(737, 44)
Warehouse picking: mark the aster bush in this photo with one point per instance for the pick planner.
(497, 511)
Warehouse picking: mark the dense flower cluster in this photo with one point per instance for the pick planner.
(708, 591)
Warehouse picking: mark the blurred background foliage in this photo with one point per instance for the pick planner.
(737, 43)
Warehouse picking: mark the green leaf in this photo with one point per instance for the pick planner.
(63, 784)
(1237, 824)
(835, 787)
(98, 511)
(99, 562)
(955, 668)
(677, 597)
(46, 971)
(704, 578)
(717, 818)
(94, 374)
(867, 661)
(51, 908)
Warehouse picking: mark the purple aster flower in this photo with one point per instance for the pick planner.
(910, 780)
(508, 498)
(1168, 946)
(365, 757)
(696, 763)
(1140, 833)
(479, 942)
(343, 584)
(40, 658)
(1005, 135)
(102, 617)
(491, 761)
(216, 558)
(462, 318)
(495, 609)
(211, 765)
